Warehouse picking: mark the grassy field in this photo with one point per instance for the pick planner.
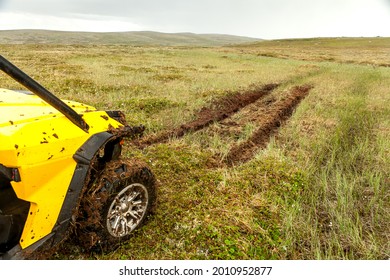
(317, 188)
(362, 51)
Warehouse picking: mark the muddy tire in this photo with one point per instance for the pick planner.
(117, 204)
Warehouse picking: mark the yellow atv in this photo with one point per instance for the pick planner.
(61, 173)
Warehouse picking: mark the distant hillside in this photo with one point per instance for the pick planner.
(127, 38)
(331, 42)
(373, 51)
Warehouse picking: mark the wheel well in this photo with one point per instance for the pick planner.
(111, 150)
(13, 215)
(91, 158)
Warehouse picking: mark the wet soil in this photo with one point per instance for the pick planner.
(261, 109)
(218, 111)
(271, 117)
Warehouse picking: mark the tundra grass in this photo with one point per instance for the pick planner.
(344, 208)
(360, 51)
(320, 190)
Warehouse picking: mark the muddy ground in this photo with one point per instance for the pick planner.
(218, 111)
(267, 113)
(269, 117)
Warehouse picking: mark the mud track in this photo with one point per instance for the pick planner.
(221, 110)
(268, 121)
(266, 113)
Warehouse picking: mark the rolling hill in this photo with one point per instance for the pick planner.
(114, 38)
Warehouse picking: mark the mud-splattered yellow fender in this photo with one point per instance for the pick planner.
(41, 144)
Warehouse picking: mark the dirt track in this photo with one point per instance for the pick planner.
(221, 110)
(269, 122)
(266, 113)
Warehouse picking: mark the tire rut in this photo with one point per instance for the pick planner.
(269, 121)
(218, 111)
(267, 113)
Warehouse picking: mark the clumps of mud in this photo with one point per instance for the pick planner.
(220, 110)
(269, 122)
(265, 111)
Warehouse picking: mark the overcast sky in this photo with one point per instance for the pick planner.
(268, 19)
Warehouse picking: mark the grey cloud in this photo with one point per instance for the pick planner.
(102, 7)
(144, 10)
(242, 17)
(170, 15)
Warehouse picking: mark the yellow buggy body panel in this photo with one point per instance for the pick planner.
(40, 142)
(62, 175)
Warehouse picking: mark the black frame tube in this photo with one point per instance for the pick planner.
(22, 78)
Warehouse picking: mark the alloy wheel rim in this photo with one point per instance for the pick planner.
(127, 210)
